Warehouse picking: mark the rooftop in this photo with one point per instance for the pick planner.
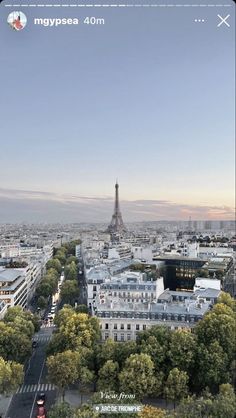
(9, 275)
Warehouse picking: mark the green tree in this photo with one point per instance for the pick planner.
(225, 402)
(63, 369)
(226, 299)
(69, 291)
(211, 368)
(152, 412)
(124, 350)
(108, 376)
(222, 405)
(193, 407)
(42, 302)
(85, 411)
(54, 264)
(14, 345)
(182, 350)
(61, 256)
(155, 342)
(86, 377)
(11, 376)
(71, 271)
(81, 309)
(141, 366)
(44, 289)
(71, 259)
(62, 410)
(176, 386)
(218, 325)
(106, 351)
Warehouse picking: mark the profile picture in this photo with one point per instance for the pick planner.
(17, 20)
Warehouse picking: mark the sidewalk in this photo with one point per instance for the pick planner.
(4, 404)
(72, 396)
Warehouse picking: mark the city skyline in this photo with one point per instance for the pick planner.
(22, 206)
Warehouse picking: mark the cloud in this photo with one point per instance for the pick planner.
(40, 206)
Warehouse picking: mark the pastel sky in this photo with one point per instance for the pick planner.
(147, 98)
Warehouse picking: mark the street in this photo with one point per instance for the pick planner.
(23, 404)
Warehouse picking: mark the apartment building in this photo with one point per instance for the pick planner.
(13, 287)
(122, 321)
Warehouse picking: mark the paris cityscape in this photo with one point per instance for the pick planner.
(117, 209)
(86, 306)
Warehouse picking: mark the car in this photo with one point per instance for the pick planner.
(34, 344)
(41, 399)
(41, 413)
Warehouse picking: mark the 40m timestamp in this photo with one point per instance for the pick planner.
(94, 21)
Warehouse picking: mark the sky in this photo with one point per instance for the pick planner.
(147, 98)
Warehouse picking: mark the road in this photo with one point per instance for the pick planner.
(82, 300)
(23, 404)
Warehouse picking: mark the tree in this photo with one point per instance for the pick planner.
(176, 386)
(211, 367)
(71, 259)
(182, 350)
(44, 289)
(86, 377)
(61, 256)
(62, 410)
(71, 271)
(81, 309)
(151, 412)
(63, 369)
(141, 366)
(155, 342)
(226, 299)
(124, 350)
(193, 407)
(15, 313)
(54, 264)
(11, 376)
(218, 325)
(69, 291)
(108, 376)
(14, 345)
(225, 402)
(222, 405)
(85, 411)
(106, 352)
(42, 302)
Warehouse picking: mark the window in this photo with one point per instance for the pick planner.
(122, 337)
(115, 337)
(106, 326)
(144, 327)
(122, 326)
(94, 288)
(128, 337)
(137, 327)
(115, 326)
(128, 326)
(106, 335)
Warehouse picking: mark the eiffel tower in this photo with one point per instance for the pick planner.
(117, 225)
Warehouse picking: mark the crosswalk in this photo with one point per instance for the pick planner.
(48, 325)
(42, 338)
(42, 387)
